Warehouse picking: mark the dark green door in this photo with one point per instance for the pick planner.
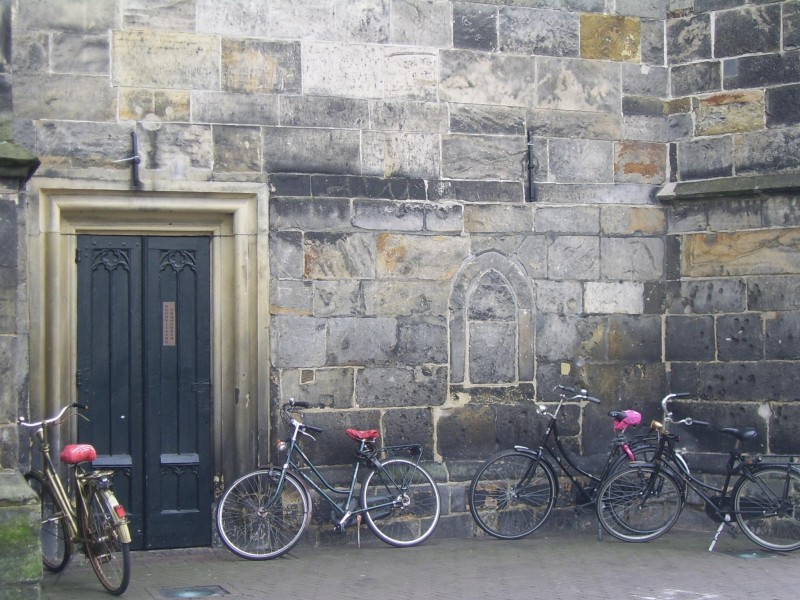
(144, 370)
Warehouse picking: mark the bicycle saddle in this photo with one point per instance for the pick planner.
(72, 454)
(369, 435)
(741, 433)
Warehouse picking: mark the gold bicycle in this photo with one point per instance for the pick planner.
(81, 512)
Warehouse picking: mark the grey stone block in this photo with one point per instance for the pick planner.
(773, 293)
(634, 338)
(235, 109)
(791, 25)
(644, 80)
(748, 30)
(565, 338)
(339, 298)
(495, 120)
(783, 106)
(740, 337)
(174, 16)
(331, 388)
(237, 149)
(79, 16)
(689, 338)
(559, 297)
(286, 254)
(291, 297)
(539, 32)
(707, 296)
(570, 124)
(444, 218)
(574, 257)
(762, 70)
(565, 84)
(421, 23)
(706, 158)
(469, 77)
(466, 432)
(297, 342)
(422, 340)
(307, 150)
(581, 161)
(407, 115)
(90, 98)
(492, 354)
(410, 426)
(696, 78)
(689, 39)
(767, 151)
(80, 54)
(348, 186)
(400, 154)
(383, 387)
(498, 218)
(783, 427)
(710, 5)
(782, 336)
(653, 48)
(352, 341)
(395, 298)
(309, 215)
(482, 157)
(613, 297)
(567, 219)
(388, 216)
(339, 256)
(475, 26)
(653, 9)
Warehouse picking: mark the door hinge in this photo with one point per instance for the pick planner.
(77, 255)
(78, 379)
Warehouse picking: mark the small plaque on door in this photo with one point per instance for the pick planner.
(168, 323)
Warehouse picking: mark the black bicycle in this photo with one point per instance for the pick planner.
(761, 493)
(263, 514)
(513, 493)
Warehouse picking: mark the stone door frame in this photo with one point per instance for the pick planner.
(235, 215)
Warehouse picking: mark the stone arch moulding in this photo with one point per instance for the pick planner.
(234, 215)
(464, 284)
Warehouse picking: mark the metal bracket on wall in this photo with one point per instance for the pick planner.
(533, 164)
(135, 160)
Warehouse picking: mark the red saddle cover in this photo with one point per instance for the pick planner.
(72, 454)
(369, 435)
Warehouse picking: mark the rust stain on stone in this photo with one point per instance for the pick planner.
(391, 255)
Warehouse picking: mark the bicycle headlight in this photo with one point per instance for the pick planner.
(281, 445)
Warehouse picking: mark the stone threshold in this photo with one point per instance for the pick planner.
(728, 186)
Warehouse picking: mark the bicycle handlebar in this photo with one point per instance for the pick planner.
(22, 422)
(578, 394)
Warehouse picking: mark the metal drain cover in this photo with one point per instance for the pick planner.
(201, 591)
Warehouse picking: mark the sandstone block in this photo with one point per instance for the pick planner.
(260, 67)
(136, 104)
(581, 161)
(610, 37)
(339, 256)
(729, 113)
(89, 98)
(772, 251)
(567, 219)
(632, 220)
(400, 154)
(640, 162)
(177, 60)
(498, 218)
(632, 258)
(409, 256)
(80, 54)
(235, 108)
(482, 157)
(237, 149)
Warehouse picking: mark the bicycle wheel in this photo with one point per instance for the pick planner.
(767, 508)
(109, 555)
(512, 494)
(56, 544)
(258, 521)
(639, 504)
(406, 502)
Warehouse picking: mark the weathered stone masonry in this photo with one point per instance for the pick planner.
(413, 285)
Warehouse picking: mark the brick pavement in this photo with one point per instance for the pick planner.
(568, 566)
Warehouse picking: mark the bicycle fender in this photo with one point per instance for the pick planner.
(121, 522)
(526, 450)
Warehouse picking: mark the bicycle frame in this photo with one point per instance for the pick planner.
(324, 488)
(564, 459)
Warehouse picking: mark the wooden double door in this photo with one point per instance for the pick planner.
(144, 370)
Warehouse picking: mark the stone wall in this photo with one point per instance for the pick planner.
(470, 202)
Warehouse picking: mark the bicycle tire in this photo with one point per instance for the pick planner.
(500, 507)
(254, 529)
(416, 503)
(767, 508)
(639, 504)
(55, 537)
(109, 555)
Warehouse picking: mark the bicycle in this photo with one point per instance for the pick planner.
(513, 493)
(644, 501)
(81, 512)
(263, 514)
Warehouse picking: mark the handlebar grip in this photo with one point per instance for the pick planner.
(81, 406)
(681, 395)
(312, 429)
(593, 399)
(571, 390)
(301, 404)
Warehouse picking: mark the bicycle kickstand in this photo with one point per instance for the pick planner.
(716, 537)
(358, 530)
